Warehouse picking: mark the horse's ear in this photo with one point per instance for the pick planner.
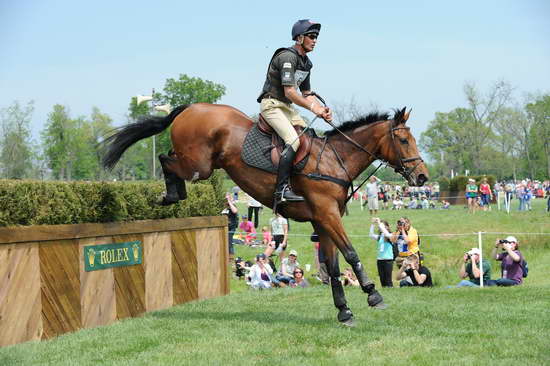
(406, 115)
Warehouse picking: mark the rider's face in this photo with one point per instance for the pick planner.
(309, 42)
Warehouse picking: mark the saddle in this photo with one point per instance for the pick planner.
(278, 144)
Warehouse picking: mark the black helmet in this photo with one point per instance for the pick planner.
(304, 26)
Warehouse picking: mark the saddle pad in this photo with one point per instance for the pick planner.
(256, 151)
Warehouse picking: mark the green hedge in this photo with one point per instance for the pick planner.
(459, 182)
(52, 203)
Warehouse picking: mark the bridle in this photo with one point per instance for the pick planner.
(401, 168)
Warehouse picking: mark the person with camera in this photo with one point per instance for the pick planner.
(385, 253)
(511, 267)
(406, 239)
(232, 222)
(413, 273)
(261, 274)
(470, 268)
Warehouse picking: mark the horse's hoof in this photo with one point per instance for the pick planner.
(166, 201)
(349, 323)
(345, 316)
(380, 306)
(375, 300)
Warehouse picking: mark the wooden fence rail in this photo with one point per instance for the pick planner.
(47, 289)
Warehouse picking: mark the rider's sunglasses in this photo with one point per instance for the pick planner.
(311, 35)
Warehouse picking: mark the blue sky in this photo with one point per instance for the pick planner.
(389, 54)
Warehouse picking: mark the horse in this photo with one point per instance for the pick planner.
(211, 136)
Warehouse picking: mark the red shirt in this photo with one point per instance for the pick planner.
(485, 188)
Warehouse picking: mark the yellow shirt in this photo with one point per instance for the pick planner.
(412, 245)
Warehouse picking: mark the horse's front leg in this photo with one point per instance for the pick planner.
(332, 225)
(330, 254)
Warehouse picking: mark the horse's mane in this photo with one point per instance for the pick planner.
(366, 120)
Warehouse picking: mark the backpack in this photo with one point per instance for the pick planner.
(524, 267)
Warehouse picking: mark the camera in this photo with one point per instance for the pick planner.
(503, 241)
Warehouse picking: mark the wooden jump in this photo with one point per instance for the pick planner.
(46, 291)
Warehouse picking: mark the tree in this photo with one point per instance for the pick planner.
(485, 111)
(16, 152)
(137, 161)
(55, 138)
(538, 112)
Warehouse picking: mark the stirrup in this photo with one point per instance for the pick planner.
(290, 195)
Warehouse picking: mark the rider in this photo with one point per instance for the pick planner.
(290, 68)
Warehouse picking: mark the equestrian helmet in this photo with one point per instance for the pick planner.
(304, 26)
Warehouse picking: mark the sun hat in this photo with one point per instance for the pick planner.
(474, 251)
(293, 252)
(511, 239)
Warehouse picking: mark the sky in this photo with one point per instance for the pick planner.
(377, 54)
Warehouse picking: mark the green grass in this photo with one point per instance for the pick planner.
(438, 326)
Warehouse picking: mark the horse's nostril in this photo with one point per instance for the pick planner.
(422, 179)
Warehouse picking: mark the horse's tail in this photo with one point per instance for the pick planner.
(115, 145)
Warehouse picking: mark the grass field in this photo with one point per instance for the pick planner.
(437, 326)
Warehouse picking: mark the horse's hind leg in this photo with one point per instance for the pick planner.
(175, 186)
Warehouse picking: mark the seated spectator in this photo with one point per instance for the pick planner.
(349, 278)
(248, 227)
(470, 268)
(512, 262)
(288, 265)
(261, 274)
(266, 236)
(322, 272)
(241, 266)
(299, 280)
(397, 203)
(424, 204)
(411, 273)
(445, 205)
(413, 205)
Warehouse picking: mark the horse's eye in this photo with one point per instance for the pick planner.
(404, 141)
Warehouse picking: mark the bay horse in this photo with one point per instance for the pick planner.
(211, 136)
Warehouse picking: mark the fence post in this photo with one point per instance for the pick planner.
(479, 242)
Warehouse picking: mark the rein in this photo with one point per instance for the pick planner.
(399, 169)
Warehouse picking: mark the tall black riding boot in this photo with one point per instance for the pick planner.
(282, 188)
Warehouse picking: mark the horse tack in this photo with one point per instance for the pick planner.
(277, 144)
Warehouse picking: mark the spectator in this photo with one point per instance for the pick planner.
(254, 210)
(235, 191)
(288, 265)
(385, 255)
(248, 227)
(279, 230)
(470, 268)
(349, 278)
(412, 273)
(261, 274)
(266, 236)
(445, 205)
(299, 280)
(486, 194)
(413, 204)
(511, 262)
(471, 195)
(435, 191)
(232, 222)
(397, 203)
(372, 195)
(406, 239)
(322, 272)
(424, 203)
(241, 266)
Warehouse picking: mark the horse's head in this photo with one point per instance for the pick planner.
(402, 154)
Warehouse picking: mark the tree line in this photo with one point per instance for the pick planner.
(70, 148)
(492, 135)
